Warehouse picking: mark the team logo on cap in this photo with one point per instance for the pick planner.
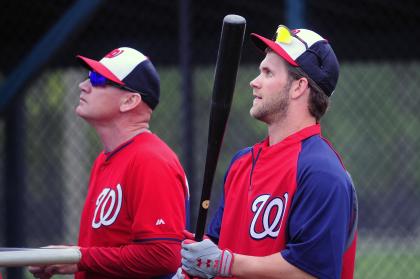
(114, 53)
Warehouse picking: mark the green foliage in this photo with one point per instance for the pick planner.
(373, 123)
(394, 258)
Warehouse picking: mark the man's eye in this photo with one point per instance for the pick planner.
(269, 73)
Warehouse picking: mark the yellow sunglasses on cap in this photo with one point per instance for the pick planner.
(284, 35)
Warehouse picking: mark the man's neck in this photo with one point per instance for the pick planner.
(280, 130)
(114, 136)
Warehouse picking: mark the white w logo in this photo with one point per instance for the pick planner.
(107, 201)
(258, 206)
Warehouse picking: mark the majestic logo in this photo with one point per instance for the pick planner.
(268, 216)
(108, 206)
(114, 53)
(160, 222)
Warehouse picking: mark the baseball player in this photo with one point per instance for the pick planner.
(289, 208)
(135, 210)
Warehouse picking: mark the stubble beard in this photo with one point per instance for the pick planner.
(276, 110)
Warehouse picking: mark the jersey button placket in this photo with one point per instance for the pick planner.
(254, 163)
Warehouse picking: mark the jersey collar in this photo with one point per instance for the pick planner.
(110, 154)
(293, 138)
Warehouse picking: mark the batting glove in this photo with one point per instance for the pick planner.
(204, 259)
(180, 274)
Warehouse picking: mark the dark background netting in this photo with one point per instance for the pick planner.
(373, 121)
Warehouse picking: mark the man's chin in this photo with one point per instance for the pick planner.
(262, 116)
(79, 112)
(257, 115)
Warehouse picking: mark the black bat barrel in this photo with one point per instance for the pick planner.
(227, 64)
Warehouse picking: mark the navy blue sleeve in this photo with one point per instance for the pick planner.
(213, 230)
(320, 215)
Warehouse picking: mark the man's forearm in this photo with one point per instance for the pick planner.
(273, 266)
(138, 260)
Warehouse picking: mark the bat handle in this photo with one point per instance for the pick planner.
(199, 232)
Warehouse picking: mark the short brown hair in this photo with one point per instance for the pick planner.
(318, 100)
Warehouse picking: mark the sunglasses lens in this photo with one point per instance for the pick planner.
(283, 35)
(96, 79)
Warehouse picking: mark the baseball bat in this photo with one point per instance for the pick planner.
(227, 64)
(13, 257)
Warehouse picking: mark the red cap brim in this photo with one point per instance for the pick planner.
(262, 43)
(100, 68)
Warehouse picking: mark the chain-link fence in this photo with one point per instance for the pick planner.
(372, 122)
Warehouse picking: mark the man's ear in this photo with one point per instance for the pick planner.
(299, 87)
(130, 101)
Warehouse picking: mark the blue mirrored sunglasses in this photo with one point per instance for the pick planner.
(96, 79)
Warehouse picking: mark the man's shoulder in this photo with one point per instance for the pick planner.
(241, 153)
(151, 148)
(318, 155)
(240, 156)
(151, 144)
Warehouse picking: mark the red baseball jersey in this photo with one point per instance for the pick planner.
(294, 197)
(137, 194)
